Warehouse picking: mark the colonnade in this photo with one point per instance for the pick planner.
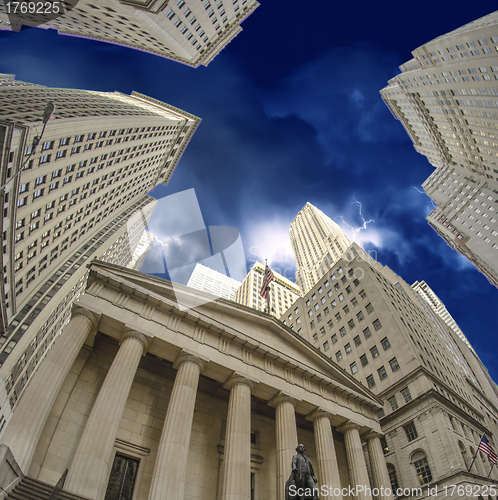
(89, 471)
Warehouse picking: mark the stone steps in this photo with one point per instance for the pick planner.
(32, 489)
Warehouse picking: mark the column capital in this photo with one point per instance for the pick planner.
(237, 378)
(138, 336)
(280, 398)
(318, 413)
(188, 356)
(348, 425)
(91, 316)
(371, 434)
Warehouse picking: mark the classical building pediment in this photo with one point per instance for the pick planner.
(233, 338)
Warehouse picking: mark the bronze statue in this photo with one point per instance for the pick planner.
(301, 484)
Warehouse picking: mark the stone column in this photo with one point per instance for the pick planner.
(328, 469)
(30, 415)
(90, 469)
(237, 454)
(286, 438)
(356, 461)
(380, 475)
(168, 478)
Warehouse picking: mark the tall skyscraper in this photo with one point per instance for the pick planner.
(447, 98)
(465, 216)
(188, 31)
(427, 293)
(318, 243)
(208, 280)
(71, 200)
(437, 404)
(283, 292)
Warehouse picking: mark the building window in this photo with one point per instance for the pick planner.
(410, 431)
(322, 331)
(338, 355)
(367, 333)
(370, 381)
(342, 331)
(326, 346)
(363, 360)
(312, 324)
(334, 339)
(310, 313)
(353, 367)
(374, 352)
(406, 394)
(377, 324)
(317, 306)
(347, 348)
(341, 297)
(348, 289)
(382, 373)
(369, 308)
(363, 294)
(393, 404)
(394, 365)
(385, 344)
(357, 340)
(351, 324)
(392, 477)
(423, 471)
(360, 316)
(315, 337)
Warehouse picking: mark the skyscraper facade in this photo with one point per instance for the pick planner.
(188, 31)
(70, 201)
(208, 280)
(437, 405)
(465, 216)
(283, 292)
(318, 242)
(446, 98)
(427, 293)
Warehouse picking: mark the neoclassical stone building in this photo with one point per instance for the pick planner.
(208, 402)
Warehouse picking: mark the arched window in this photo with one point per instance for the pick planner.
(464, 453)
(422, 469)
(392, 477)
(452, 420)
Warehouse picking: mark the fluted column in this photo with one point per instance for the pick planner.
(286, 438)
(237, 454)
(170, 469)
(328, 469)
(89, 471)
(380, 475)
(356, 461)
(26, 425)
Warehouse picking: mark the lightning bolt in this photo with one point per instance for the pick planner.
(365, 223)
(422, 192)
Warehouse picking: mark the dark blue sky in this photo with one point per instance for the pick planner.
(291, 113)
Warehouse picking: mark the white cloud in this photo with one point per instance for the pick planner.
(269, 239)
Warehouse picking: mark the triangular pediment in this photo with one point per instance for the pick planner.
(253, 329)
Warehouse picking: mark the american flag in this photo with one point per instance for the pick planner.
(267, 279)
(485, 447)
